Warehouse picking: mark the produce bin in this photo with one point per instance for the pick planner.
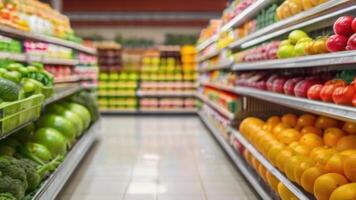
(10, 108)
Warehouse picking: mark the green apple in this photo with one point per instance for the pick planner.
(296, 35)
(286, 51)
(285, 42)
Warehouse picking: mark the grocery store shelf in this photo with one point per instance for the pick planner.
(70, 79)
(246, 14)
(149, 111)
(345, 113)
(303, 16)
(55, 182)
(207, 42)
(219, 87)
(216, 106)
(299, 193)
(327, 19)
(28, 58)
(170, 93)
(208, 55)
(238, 161)
(13, 56)
(226, 64)
(61, 92)
(28, 35)
(16, 129)
(337, 58)
(115, 95)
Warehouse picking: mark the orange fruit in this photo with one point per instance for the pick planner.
(332, 136)
(250, 124)
(268, 127)
(310, 129)
(273, 153)
(268, 145)
(322, 157)
(282, 157)
(350, 167)
(301, 150)
(300, 168)
(316, 150)
(325, 122)
(345, 192)
(255, 163)
(290, 166)
(307, 4)
(306, 120)
(325, 184)
(309, 176)
(335, 164)
(346, 142)
(290, 119)
(311, 140)
(262, 171)
(272, 181)
(285, 193)
(274, 120)
(288, 136)
(293, 145)
(350, 128)
(279, 128)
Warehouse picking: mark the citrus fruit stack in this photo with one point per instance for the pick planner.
(317, 153)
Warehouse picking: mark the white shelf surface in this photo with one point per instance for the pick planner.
(328, 59)
(226, 64)
(296, 190)
(229, 115)
(171, 93)
(207, 42)
(238, 161)
(345, 113)
(56, 181)
(208, 55)
(23, 57)
(12, 32)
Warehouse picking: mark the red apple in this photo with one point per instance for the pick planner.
(353, 25)
(290, 84)
(270, 80)
(336, 43)
(351, 43)
(302, 87)
(343, 26)
(278, 84)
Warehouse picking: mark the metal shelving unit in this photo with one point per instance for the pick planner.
(229, 115)
(28, 35)
(208, 55)
(207, 42)
(303, 16)
(296, 190)
(345, 113)
(55, 182)
(28, 58)
(165, 94)
(61, 92)
(220, 87)
(237, 160)
(150, 111)
(329, 59)
(226, 64)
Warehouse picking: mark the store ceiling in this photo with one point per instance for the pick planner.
(142, 12)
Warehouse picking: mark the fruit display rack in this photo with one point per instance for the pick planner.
(219, 60)
(53, 185)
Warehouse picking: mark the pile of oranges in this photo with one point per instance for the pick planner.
(317, 153)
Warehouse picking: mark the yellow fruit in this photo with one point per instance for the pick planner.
(311, 140)
(309, 176)
(306, 120)
(346, 142)
(290, 119)
(300, 168)
(319, 46)
(350, 167)
(273, 153)
(345, 192)
(295, 6)
(306, 4)
(335, 164)
(291, 165)
(301, 150)
(285, 10)
(322, 157)
(288, 136)
(279, 128)
(272, 181)
(262, 171)
(332, 136)
(311, 129)
(325, 184)
(273, 120)
(285, 193)
(250, 124)
(282, 157)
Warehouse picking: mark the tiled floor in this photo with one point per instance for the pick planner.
(156, 158)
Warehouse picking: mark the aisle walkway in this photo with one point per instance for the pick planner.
(156, 158)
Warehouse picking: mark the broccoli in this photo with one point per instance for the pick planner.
(7, 196)
(12, 186)
(10, 167)
(33, 178)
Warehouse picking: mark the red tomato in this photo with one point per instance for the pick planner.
(354, 101)
(314, 92)
(344, 95)
(329, 87)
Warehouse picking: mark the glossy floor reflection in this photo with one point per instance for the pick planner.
(156, 158)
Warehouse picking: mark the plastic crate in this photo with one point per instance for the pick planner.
(47, 91)
(11, 122)
(10, 108)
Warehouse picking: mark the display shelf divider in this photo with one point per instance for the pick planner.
(344, 113)
(208, 55)
(207, 42)
(216, 106)
(51, 187)
(237, 160)
(299, 193)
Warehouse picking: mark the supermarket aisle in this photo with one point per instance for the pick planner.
(164, 158)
